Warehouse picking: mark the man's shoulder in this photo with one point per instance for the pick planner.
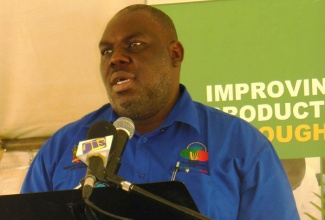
(216, 118)
(215, 113)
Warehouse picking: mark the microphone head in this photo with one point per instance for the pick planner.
(126, 124)
(101, 129)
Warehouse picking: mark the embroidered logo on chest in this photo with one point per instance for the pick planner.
(195, 158)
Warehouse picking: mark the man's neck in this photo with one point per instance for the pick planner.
(148, 125)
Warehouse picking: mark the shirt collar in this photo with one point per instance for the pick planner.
(184, 111)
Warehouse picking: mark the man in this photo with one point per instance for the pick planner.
(230, 169)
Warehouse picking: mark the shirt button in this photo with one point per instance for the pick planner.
(141, 174)
(144, 139)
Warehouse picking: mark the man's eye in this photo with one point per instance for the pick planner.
(107, 52)
(136, 46)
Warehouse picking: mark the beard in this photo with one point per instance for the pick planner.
(148, 101)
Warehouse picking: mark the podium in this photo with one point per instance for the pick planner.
(68, 204)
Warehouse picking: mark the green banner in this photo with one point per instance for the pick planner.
(263, 61)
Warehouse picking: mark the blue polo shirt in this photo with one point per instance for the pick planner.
(231, 170)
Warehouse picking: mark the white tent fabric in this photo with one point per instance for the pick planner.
(13, 168)
(49, 63)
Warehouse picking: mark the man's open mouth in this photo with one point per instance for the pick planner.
(121, 81)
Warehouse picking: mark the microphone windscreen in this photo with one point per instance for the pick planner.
(125, 124)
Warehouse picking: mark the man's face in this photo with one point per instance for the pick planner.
(136, 65)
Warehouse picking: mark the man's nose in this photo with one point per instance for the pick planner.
(119, 57)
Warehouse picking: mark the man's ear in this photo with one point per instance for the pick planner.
(177, 53)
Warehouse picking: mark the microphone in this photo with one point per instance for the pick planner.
(124, 131)
(94, 152)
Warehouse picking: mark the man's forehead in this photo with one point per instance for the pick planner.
(135, 21)
(124, 15)
(130, 20)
